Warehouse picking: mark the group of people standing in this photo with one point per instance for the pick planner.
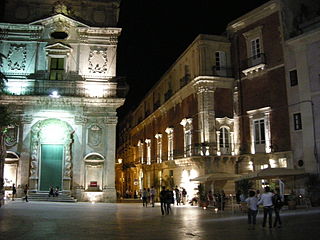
(270, 201)
(148, 196)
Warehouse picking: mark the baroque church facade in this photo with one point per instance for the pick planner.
(59, 58)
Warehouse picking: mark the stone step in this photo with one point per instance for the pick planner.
(45, 198)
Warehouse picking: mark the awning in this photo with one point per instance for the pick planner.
(216, 177)
(268, 173)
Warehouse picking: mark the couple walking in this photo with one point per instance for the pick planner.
(270, 202)
(166, 199)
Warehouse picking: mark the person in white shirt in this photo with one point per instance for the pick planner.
(252, 202)
(266, 201)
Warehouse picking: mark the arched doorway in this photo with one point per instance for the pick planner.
(51, 141)
(10, 169)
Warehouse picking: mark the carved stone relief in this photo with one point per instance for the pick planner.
(17, 57)
(98, 61)
(11, 135)
(94, 135)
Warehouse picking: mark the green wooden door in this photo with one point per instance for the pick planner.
(51, 166)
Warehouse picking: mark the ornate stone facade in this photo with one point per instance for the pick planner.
(64, 92)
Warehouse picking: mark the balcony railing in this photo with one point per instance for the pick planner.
(168, 94)
(254, 61)
(112, 89)
(222, 71)
(185, 80)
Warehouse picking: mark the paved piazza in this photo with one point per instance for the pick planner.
(40, 220)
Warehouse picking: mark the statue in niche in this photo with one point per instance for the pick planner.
(11, 135)
(94, 135)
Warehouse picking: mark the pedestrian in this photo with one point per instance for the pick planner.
(176, 190)
(223, 200)
(56, 191)
(184, 196)
(258, 194)
(169, 200)
(163, 200)
(148, 196)
(51, 193)
(252, 202)
(145, 197)
(238, 199)
(14, 191)
(277, 203)
(152, 195)
(210, 198)
(266, 201)
(25, 190)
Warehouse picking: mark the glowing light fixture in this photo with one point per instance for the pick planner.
(54, 94)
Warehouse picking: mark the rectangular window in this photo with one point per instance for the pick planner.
(297, 121)
(218, 63)
(255, 48)
(293, 78)
(56, 68)
(259, 131)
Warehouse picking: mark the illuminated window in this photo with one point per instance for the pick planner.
(297, 123)
(224, 138)
(255, 48)
(264, 166)
(259, 131)
(220, 59)
(56, 68)
(282, 162)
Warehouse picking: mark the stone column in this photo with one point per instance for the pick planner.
(206, 115)
(109, 190)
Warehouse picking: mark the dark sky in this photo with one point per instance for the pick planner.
(155, 33)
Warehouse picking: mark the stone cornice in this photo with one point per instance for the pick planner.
(253, 16)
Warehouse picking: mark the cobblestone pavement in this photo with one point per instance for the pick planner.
(40, 220)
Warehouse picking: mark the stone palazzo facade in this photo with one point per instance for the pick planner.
(63, 91)
(231, 108)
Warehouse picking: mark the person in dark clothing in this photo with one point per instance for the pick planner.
(14, 191)
(277, 205)
(169, 200)
(51, 192)
(163, 200)
(25, 190)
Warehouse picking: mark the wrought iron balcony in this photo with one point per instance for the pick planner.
(185, 80)
(254, 63)
(222, 71)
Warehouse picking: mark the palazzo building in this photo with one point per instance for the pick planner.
(223, 112)
(60, 62)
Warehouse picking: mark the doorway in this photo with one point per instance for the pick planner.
(51, 166)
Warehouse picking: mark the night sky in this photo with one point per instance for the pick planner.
(155, 33)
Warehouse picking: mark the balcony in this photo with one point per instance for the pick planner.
(254, 64)
(185, 80)
(168, 94)
(116, 88)
(222, 71)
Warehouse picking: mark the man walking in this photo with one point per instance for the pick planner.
(266, 201)
(152, 196)
(25, 190)
(163, 200)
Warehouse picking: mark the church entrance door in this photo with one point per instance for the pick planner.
(51, 166)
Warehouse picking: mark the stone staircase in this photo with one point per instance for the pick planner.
(63, 197)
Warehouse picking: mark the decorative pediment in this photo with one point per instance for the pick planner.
(59, 21)
(58, 49)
